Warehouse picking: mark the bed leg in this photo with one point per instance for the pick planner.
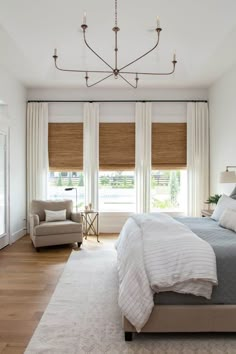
(128, 336)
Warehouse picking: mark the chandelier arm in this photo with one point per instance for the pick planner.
(129, 83)
(84, 71)
(149, 51)
(85, 41)
(97, 82)
(157, 74)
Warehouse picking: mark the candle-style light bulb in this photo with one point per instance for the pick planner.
(84, 18)
(158, 22)
(174, 56)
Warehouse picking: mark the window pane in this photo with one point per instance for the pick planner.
(169, 190)
(116, 191)
(59, 181)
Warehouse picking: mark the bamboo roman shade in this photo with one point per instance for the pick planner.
(169, 141)
(116, 146)
(65, 146)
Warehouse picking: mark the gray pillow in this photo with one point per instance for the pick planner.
(233, 194)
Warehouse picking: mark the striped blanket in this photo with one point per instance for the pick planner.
(156, 253)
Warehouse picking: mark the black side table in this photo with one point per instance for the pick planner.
(90, 223)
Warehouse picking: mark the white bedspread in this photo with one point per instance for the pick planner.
(157, 253)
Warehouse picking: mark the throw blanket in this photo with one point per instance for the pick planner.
(157, 253)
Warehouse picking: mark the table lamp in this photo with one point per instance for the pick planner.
(228, 176)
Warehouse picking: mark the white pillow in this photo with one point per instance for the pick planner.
(51, 215)
(224, 202)
(228, 219)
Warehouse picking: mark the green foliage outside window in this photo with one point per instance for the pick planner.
(59, 181)
(165, 183)
(69, 183)
(81, 180)
(174, 188)
(117, 180)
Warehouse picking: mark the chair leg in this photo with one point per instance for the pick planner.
(79, 244)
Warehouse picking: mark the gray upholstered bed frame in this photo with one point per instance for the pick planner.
(199, 317)
(187, 318)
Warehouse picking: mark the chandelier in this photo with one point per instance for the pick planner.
(115, 70)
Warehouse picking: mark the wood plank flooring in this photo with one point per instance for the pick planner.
(27, 282)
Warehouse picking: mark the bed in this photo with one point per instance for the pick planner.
(175, 312)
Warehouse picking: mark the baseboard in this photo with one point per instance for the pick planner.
(17, 235)
(3, 242)
(114, 229)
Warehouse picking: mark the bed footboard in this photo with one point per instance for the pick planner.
(187, 318)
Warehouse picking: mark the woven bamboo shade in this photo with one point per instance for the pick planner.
(65, 146)
(169, 141)
(116, 146)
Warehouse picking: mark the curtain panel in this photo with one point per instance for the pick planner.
(91, 153)
(143, 152)
(197, 156)
(37, 152)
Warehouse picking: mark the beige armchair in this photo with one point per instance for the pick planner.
(44, 233)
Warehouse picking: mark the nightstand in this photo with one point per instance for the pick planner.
(206, 212)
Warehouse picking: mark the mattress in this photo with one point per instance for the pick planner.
(223, 242)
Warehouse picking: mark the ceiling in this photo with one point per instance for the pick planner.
(202, 32)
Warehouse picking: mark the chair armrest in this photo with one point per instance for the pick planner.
(34, 221)
(76, 217)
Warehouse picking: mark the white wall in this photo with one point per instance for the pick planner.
(116, 94)
(116, 112)
(222, 103)
(13, 117)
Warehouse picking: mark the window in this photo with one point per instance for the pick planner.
(169, 162)
(65, 147)
(59, 181)
(169, 190)
(116, 191)
(116, 165)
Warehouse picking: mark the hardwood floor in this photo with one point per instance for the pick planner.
(27, 281)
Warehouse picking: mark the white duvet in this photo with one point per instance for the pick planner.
(156, 253)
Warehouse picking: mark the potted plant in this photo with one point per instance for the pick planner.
(213, 199)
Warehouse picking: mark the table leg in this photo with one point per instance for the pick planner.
(97, 229)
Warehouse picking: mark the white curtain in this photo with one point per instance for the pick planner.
(197, 156)
(91, 153)
(143, 144)
(37, 152)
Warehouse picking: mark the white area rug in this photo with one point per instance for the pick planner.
(83, 315)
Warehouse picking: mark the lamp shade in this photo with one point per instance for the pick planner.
(228, 177)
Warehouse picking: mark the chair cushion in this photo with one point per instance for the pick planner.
(57, 227)
(52, 215)
(39, 206)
